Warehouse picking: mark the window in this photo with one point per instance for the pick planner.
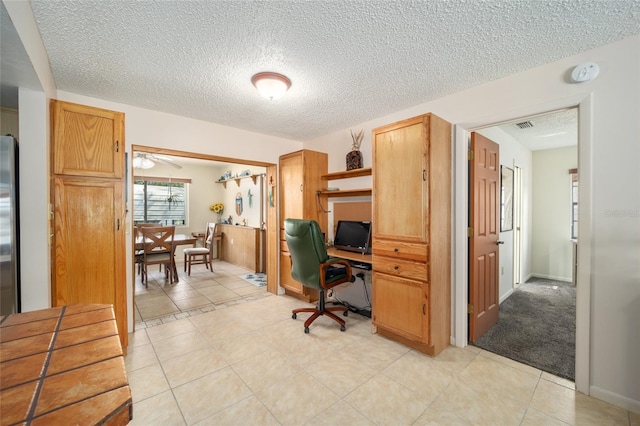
(574, 203)
(160, 200)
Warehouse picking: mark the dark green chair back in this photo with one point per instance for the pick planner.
(307, 249)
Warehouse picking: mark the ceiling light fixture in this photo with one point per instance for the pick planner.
(142, 163)
(271, 85)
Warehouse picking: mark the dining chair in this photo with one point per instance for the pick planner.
(159, 248)
(200, 255)
(139, 253)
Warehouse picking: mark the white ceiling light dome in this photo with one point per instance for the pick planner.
(271, 85)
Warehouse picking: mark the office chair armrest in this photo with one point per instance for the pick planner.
(333, 262)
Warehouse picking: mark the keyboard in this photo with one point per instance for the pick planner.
(360, 265)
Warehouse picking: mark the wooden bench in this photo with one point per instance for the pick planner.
(63, 365)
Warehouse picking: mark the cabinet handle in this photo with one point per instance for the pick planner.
(424, 309)
(424, 175)
(395, 249)
(118, 224)
(300, 187)
(396, 267)
(117, 146)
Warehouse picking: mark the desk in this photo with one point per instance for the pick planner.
(356, 296)
(63, 365)
(349, 255)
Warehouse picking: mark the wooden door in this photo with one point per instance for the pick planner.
(89, 245)
(87, 141)
(399, 180)
(483, 244)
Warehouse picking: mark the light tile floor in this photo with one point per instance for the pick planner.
(200, 292)
(246, 362)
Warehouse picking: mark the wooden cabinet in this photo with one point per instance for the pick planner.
(301, 177)
(88, 247)
(412, 232)
(87, 141)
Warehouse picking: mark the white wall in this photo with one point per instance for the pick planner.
(35, 270)
(610, 277)
(552, 247)
(228, 195)
(513, 153)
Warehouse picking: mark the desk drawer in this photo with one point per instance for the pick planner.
(401, 267)
(401, 249)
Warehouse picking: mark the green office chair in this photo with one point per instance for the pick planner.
(311, 266)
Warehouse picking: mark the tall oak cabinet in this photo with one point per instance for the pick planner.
(301, 177)
(412, 232)
(88, 196)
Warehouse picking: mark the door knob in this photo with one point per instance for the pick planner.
(499, 242)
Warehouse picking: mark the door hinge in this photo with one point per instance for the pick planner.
(470, 155)
(469, 232)
(117, 224)
(469, 308)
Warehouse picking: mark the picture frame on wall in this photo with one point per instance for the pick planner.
(506, 199)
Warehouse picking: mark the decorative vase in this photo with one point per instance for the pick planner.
(354, 160)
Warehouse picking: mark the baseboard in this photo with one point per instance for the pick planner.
(506, 295)
(615, 399)
(550, 277)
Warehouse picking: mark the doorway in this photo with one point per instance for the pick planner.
(585, 106)
(244, 196)
(546, 147)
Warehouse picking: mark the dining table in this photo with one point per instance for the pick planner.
(179, 239)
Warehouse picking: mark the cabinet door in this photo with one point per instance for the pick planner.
(400, 199)
(89, 250)
(400, 306)
(291, 188)
(87, 141)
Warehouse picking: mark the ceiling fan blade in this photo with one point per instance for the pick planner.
(166, 160)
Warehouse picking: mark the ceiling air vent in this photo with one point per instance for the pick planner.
(524, 125)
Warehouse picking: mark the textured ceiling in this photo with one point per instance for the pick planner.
(548, 131)
(349, 61)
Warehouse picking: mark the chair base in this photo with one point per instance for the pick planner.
(321, 310)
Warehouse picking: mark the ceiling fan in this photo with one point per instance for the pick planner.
(146, 160)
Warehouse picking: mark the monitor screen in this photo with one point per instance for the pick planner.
(353, 236)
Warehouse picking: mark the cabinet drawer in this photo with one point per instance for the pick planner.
(401, 249)
(401, 267)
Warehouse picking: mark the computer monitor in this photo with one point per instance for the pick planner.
(353, 235)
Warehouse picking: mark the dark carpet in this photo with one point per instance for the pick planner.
(537, 327)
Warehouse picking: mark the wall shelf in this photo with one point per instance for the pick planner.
(238, 179)
(348, 174)
(363, 192)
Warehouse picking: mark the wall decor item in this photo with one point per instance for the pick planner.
(506, 199)
(238, 204)
(354, 157)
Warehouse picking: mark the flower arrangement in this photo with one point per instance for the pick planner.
(357, 140)
(217, 208)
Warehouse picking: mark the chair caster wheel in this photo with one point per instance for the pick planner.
(342, 328)
(306, 330)
(345, 313)
(294, 316)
